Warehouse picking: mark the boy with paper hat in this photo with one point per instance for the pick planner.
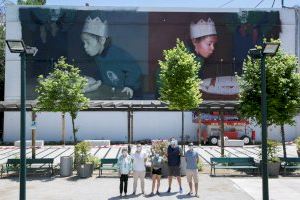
(122, 75)
(204, 37)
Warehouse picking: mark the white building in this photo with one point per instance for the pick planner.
(113, 125)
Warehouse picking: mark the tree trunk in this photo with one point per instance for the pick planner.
(283, 140)
(182, 132)
(74, 129)
(63, 128)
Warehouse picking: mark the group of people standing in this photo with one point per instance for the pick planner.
(136, 163)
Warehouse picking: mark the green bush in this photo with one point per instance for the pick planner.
(82, 155)
(273, 149)
(297, 142)
(200, 165)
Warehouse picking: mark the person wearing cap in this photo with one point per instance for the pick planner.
(117, 69)
(204, 38)
(139, 170)
(173, 155)
(125, 167)
(192, 160)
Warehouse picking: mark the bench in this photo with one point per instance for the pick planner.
(12, 163)
(108, 164)
(290, 163)
(232, 163)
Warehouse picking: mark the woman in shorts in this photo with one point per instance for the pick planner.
(156, 172)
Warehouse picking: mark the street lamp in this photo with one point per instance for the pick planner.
(18, 46)
(270, 49)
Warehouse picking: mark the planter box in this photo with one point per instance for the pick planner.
(273, 169)
(97, 143)
(38, 143)
(232, 143)
(85, 170)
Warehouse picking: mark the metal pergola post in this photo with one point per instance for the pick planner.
(222, 131)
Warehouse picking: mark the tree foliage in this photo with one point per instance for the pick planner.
(31, 2)
(62, 91)
(179, 78)
(283, 89)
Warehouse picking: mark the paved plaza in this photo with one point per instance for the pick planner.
(229, 185)
(211, 188)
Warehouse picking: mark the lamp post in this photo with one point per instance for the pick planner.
(18, 46)
(268, 49)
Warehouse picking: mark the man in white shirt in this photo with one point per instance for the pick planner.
(139, 170)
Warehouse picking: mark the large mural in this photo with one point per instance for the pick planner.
(118, 51)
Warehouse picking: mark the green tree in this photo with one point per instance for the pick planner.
(62, 91)
(179, 80)
(31, 2)
(283, 90)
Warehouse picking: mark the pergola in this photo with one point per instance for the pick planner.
(131, 106)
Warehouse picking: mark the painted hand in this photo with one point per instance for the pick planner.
(128, 91)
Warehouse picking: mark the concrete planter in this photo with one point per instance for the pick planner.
(85, 170)
(273, 169)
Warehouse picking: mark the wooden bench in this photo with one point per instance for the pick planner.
(48, 162)
(108, 164)
(290, 163)
(232, 163)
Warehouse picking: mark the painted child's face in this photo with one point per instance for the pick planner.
(206, 46)
(93, 45)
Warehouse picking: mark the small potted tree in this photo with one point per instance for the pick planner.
(297, 142)
(84, 161)
(273, 159)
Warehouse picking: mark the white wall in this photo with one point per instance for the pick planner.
(101, 125)
(162, 125)
(92, 125)
(291, 132)
(113, 126)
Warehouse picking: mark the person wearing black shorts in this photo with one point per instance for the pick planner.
(173, 155)
(156, 172)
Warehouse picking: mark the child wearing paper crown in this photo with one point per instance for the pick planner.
(123, 74)
(204, 37)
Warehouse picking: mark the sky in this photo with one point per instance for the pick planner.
(183, 3)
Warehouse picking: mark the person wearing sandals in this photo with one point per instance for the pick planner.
(192, 160)
(156, 172)
(125, 167)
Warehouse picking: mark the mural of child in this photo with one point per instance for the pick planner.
(204, 38)
(121, 74)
